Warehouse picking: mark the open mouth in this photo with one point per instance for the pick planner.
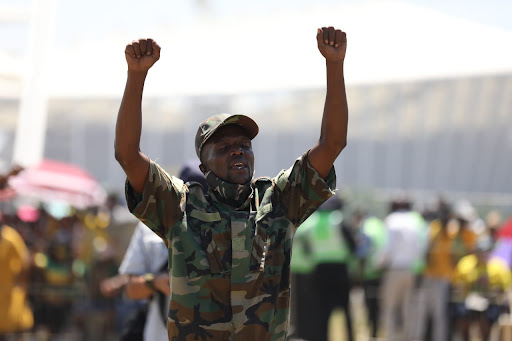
(238, 165)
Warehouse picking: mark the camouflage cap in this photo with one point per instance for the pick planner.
(209, 126)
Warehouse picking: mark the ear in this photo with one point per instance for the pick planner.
(203, 169)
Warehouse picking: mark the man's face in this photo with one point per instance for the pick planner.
(228, 154)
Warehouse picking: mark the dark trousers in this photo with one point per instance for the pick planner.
(371, 290)
(331, 289)
(301, 301)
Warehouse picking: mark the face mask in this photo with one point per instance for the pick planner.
(236, 195)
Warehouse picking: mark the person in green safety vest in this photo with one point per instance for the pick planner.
(370, 238)
(302, 266)
(324, 248)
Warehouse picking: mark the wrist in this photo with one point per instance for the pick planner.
(334, 63)
(149, 281)
(137, 74)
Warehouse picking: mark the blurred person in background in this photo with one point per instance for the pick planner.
(99, 247)
(405, 248)
(332, 245)
(230, 251)
(145, 264)
(465, 238)
(436, 284)
(464, 243)
(96, 313)
(30, 221)
(55, 281)
(480, 287)
(302, 266)
(493, 222)
(15, 311)
(370, 237)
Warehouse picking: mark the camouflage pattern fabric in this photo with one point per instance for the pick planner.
(230, 269)
(209, 126)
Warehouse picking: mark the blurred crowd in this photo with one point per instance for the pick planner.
(435, 274)
(54, 259)
(442, 273)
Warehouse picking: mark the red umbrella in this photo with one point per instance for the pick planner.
(59, 181)
(506, 229)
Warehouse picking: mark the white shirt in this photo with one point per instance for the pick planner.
(406, 244)
(147, 253)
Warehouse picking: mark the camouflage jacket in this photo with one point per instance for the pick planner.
(230, 269)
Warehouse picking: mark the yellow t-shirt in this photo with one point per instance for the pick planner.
(445, 248)
(15, 313)
(490, 277)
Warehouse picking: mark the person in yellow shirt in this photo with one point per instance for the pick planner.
(450, 239)
(15, 313)
(481, 283)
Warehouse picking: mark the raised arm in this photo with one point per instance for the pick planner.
(140, 57)
(332, 44)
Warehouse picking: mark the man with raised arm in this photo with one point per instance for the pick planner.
(229, 250)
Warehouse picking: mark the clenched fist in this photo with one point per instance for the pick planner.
(332, 43)
(142, 54)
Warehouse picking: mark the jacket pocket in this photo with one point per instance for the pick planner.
(201, 223)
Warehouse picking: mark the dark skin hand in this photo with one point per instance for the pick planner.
(228, 154)
(141, 54)
(332, 43)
